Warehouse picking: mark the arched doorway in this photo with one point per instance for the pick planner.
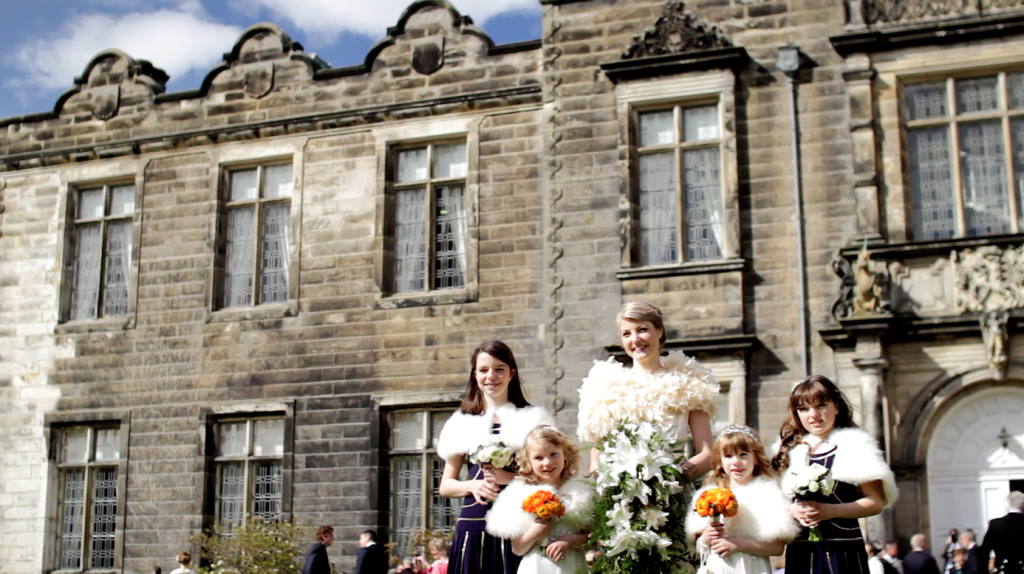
(969, 470)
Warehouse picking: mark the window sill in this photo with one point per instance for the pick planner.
(698, 268)
(96, 325)
(273, 311)
(440, 297)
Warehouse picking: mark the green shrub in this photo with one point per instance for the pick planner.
(256, 547)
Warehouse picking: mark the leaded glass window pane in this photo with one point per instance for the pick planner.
(277, 225)
(242, 184)
(86, 285)
(659, 242)
(406, 499)
(410, 241)
(231, 495)
(118, 268)
(76, 444)
(931, 184)
(924, 101)
(983, 175)
(407, 431)
(277, 181)
(412, 165)
(231, 439)
(72, 519)
(90, 203)
(700, 124)
(703, 207)
(444, 510)
(437, 420)
(1015, 89)
(266, 498)
(1017, 138)
(122, 200)
(238, 276)
(977, 95)
(450, 161)
(108, 444)
(656, 128)
(104, 518)
(268, 437)
(449, 237)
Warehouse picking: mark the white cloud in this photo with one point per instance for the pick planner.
(176, 39)
(327, 18)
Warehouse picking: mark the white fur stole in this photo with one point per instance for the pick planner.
(462, 433)
(612, 394)
(506, 518)
(763, 514)
(858, 459)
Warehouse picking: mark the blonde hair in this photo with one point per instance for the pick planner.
(549, 435)
(732, 443)
(639, 311)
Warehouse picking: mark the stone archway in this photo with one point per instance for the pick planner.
(969, 471)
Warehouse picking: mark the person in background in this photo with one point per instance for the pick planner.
(875, 563)
(952, 543)
(959, 561)
(439, 553)
(371, 558)
(920, 561)
(970, 551)
(891, 557)
(184, 560)
(316, 558)
(1005, 537)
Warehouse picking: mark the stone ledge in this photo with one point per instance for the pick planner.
(724, 266)
(929, 33)
(723, 58)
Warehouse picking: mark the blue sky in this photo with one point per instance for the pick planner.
(46, 43)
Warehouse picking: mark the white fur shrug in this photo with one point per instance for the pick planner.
(462, 433)
(506, 519)
(612, 394)
(763, 514)
(858, 459)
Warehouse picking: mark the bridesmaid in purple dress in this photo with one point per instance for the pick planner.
(493, 406)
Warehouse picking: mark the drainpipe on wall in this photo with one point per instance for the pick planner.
(789, 62)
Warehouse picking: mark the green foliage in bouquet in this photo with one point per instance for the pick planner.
(255, 547)
(643, 499)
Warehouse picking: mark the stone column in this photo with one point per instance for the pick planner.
(871, 364)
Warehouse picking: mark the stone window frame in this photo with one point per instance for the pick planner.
(386, 406)
(207, 460)
(53, 426)
(891, 71)
(390, 139)
(242, 156)
(74, 181)
(687, 89)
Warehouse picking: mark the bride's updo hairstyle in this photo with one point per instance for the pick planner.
(810, 392)
(473, 400)
(638, 311)
(547, 435)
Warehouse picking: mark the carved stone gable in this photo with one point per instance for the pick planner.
(676, 31)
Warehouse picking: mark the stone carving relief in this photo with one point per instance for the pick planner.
(259, 79)
(676, 31)
(994, 333)
(900, 11)
(989, 278)
(428, 55)
(864, 289)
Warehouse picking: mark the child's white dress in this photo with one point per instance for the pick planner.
(763, 515)
(506, 519)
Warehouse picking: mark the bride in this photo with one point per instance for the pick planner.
(676, 395)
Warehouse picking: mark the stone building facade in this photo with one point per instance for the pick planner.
(259, 297)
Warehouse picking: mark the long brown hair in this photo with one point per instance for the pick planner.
(473, 400)
(814, 390)
(734, 443)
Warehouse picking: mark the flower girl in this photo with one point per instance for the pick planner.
(762, 524)
(526, 513)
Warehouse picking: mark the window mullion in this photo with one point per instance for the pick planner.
(428, 282)
(87, 502)
(677, 126)
(954, 156)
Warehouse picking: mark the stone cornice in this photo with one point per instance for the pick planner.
(735, 58)
(928, 33)
(268, 128)
(940, 247)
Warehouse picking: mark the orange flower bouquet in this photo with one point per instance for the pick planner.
(717, 501)
(544, 504)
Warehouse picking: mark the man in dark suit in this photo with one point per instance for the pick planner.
(919, 561)
(316, 558)
(371, 558)
(967, 542)
(1005, 537)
